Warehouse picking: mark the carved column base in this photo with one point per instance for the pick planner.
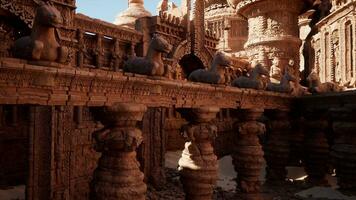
(118, 176)
(198, 164)
(317, 147)
(248, 155)
(344, 149)
(277, 148)
(198, 175)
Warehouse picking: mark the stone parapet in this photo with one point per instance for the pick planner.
(22, 83)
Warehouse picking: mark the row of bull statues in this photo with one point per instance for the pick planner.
(43, 45)
(259, 77)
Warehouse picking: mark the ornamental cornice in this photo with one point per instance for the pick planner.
(21, 83)
(88, 24)
(220, 11)
(256, 7)
(338, 14)
(273, 39)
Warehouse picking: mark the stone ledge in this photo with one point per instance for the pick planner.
(29, 84)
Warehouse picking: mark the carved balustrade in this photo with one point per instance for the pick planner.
(103, 45)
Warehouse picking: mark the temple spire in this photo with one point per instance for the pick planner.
(134, 11)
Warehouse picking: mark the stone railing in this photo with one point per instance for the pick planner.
(103, 45)
(23, 83)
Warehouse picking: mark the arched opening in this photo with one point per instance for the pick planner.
(190, 63)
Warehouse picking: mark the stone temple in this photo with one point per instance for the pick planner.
(89, 110)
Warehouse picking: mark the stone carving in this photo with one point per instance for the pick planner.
(275, 71)
(170, 8)
(291, 68)
(215, 74)
(284, 86)
(254, 80)
(277, 148)
(248, 155)
(118, 175)
(334, 42)
(316, 146)
(298, 90)
(43, 44)
(152, 64)
(198, 164)
(344, 147)
(24, 12)
(315, 85)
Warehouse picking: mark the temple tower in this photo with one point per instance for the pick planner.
(231, 28)
(273, 29)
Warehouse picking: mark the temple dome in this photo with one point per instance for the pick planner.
(135, 11)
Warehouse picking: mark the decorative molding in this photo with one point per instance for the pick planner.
(22, 83)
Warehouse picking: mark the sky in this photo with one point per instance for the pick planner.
(108, 9)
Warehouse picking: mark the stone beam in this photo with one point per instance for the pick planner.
(22, 83)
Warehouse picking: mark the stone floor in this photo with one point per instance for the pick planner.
(295, 189)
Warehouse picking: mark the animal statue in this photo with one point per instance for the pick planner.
(42, 44)
(152, 64)
(298, 90)
(215, 74)
(254, 80)
(315, 85)
(285, 84)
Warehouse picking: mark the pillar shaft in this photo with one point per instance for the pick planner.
(316, 147)
(118, 176)
(248, 155)
(277, 149)
(198, 164)
(344, 148)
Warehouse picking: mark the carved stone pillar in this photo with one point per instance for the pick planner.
(248, 155)
(277, 149)
(296, 139)
(344, 148)
(316, 146)
(198, 164)
(118, 175)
